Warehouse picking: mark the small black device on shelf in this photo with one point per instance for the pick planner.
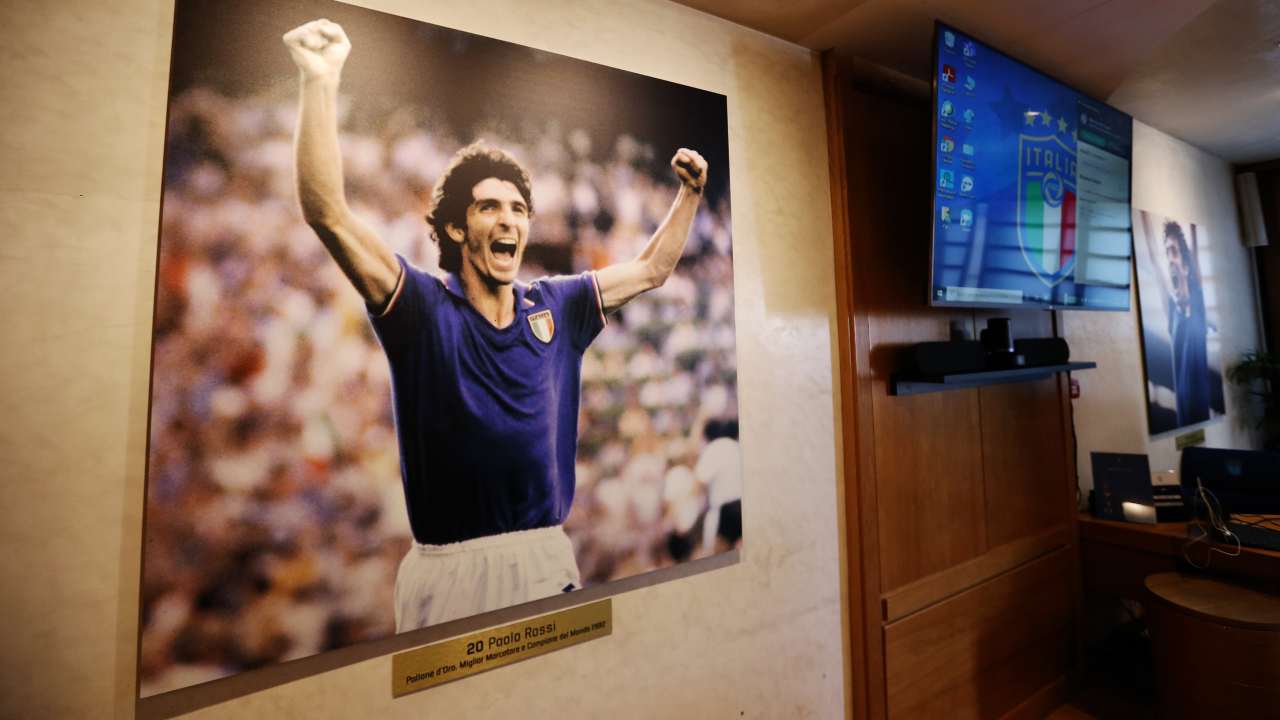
(997, 338)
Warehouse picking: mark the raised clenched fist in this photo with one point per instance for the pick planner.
(691, 168)
(319, 48)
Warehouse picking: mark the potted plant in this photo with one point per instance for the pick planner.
(1259, 372)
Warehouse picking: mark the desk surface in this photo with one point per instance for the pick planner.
(1170, 538)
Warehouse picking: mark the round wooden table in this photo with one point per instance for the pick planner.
(1216, 647)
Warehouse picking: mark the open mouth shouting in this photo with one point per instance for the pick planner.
(504, 251)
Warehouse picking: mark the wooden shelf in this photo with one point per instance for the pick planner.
(960, 381)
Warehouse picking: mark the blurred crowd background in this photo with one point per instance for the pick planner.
(275, 516)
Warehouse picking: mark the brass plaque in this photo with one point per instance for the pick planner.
(1195, 437)
(465, 655)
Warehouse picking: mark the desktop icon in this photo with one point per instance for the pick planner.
(948, 73)
(969, 83)
(967, 149)
(948, 144)
(946, 180)
(966, 184)
(966, 218)
(946, 214)
(949, 38)
(948, 110)
(969, 115)
(970, 49)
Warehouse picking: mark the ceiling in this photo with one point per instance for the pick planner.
(1204, 71)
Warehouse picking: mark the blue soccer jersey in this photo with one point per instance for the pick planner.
(486, 417)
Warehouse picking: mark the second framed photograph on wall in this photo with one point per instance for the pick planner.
(1177, 299)
(443, 325)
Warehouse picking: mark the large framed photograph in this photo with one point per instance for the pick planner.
(443, 325)
(1180, 340)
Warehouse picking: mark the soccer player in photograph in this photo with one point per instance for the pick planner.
(485, 369)
(1188, 326)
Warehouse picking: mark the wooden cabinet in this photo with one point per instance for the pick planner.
(959, 505)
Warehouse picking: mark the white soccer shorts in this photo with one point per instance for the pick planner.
(438, 583)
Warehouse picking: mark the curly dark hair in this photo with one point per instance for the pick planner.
(452, 195)
(1173, 230)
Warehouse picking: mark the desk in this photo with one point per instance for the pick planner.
(1167, 540)
(1116, 557)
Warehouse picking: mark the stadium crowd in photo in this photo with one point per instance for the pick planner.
(275, 514)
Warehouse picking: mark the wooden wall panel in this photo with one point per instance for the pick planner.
(928, 464)
(862, 575)
(1024, 457)
(983, 652)
(939, 586)
(961, 501)
(929, 484)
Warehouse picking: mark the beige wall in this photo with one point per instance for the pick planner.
(83, 104)
(1170, 177)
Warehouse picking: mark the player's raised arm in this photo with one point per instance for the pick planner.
(622, 281)
(1158, 260)
(319, 48)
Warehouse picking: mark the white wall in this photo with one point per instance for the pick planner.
(1173, 178)
(83, 103)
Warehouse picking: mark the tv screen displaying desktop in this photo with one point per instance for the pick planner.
(1032, 180)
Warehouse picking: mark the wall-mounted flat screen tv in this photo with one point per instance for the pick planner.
(1031, 186)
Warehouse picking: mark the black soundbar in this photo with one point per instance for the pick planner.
(935, 359)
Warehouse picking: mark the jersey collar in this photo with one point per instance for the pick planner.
(453, 284)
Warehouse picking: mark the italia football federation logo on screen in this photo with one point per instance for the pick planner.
(1047, 198)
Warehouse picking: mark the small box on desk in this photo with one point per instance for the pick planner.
(1171, 504)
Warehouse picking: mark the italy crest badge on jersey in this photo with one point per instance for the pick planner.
(543, 325)
(1047, 205)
